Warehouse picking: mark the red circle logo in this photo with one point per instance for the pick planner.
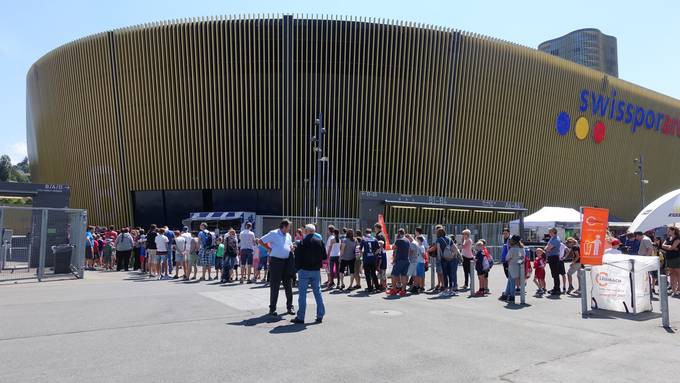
(599, 131)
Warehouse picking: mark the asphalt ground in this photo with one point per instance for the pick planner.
(121, 327)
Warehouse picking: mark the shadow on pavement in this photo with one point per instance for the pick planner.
(606, 314)
(516, 306)
(257, 320)
(289, 328)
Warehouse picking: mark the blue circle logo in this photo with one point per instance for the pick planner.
(563, 123)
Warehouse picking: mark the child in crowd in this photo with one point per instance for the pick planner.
(107, 255)
(539, 273)
(357, 260)
(219, 260)
(420, 267)
(482, 267)
(263, 256)
(382, 266)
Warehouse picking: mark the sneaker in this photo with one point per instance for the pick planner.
(510, 300)
(249, 281)
(297, 321)
(464, 287)
(402, 293)
(342, 287)
(570, 289)
(318, 320)
(479, 293)
(193, 278)
(502, 297)
(175, 277)
(290, 311)
(392, 292)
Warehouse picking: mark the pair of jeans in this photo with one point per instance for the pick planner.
(510, 288)
(279, 272)
(370, 273)
(313, 278)
(466, 269)
(450, 271)
(554, 263)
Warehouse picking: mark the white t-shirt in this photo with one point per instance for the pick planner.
(180, 244)
(162, 242)
(187, 241)
(334, 246)
(612, 250)
(247, 239)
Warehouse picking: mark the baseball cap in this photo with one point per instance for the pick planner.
(615, 242)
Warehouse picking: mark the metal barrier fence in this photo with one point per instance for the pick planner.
(41, 242)
(265, 223)
(492, 233)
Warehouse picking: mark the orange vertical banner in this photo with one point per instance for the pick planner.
(381, 221)
(594, 223)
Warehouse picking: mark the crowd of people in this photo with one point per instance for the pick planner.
(277, 258)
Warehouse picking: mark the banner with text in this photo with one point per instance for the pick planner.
(594, 223)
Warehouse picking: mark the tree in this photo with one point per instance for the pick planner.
(5, 167)
(23, 166)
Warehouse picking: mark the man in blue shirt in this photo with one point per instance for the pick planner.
(89, 254)
(280, 245)
(400, 264)
(369, 249)
(504, 253)
(553, 252)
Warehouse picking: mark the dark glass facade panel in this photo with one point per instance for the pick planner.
(179, 203)
(148, 208)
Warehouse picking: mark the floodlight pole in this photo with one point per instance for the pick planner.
(320, 159)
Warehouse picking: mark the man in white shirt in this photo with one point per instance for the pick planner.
(162, 253)
(615, 247)
(247, 240)
(281, 268)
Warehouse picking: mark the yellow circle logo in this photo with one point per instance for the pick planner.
(581, 129)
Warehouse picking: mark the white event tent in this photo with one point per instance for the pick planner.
(665, 210)
(550, 216)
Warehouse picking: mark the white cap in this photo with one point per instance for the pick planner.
(310, 226)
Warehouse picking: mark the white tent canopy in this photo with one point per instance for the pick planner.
(550, 216)
(665, 210)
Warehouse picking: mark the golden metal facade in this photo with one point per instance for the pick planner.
(229, 103)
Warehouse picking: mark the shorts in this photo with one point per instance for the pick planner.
(218, 263)
(382, 274)
(436, 264)
(573, 268)
(484, 274)
(561, 269)
(256, 262)
(400, 268)
(263, 264)
(107, 257)
(206, 257)
(151, 256)
(412, 269)
(357, 265)
(539, 274)
(88, 253)
(344, 265)
(161, 256)
(246, 257)
(193, 259)
(420, 270)
(179, 257)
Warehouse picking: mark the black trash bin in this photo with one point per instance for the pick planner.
(62, 258)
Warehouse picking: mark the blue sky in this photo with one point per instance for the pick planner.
(647, 32)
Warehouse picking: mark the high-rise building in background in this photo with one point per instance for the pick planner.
(588, 47)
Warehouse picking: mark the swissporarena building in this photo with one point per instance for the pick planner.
(150, 122)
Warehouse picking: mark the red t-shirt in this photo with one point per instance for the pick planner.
(111, 235)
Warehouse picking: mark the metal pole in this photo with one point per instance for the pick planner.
(472, 278)
(633, 297)
(318, 147)
(522, 275)
(584, 291)
(663, 300)
(43, 245)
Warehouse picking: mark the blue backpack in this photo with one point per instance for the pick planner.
(207, 240)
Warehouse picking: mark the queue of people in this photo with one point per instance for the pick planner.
(278, 259)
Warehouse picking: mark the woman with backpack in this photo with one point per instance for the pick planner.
(515, 258)
(449, 261)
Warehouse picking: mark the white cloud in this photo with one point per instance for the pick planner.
(16, 151)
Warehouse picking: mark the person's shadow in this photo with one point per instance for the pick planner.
(266, 318)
